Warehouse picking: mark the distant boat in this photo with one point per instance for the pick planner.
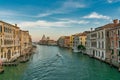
(59, 55)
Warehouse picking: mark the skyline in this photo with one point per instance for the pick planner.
(56, 18)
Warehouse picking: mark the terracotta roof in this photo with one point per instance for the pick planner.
(9, 24)
(110, 25)
(67, 37)
(81, 34)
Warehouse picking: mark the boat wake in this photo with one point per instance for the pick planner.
(59, 55)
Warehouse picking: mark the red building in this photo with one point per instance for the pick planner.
(114, 37)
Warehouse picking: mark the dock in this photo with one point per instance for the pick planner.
(23, 59)
(10, 64)
(1, 70)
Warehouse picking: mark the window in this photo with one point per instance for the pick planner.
(96, 53)
(98, 35)
(112, 44)
(4, 55)
(118, 32)
(119, 44)
(85, 43)
(99, 44)
(112, 51)
(111, 33)
(2, 50)
(102, 35)
(102, 54)
(118, 53)
(99, 53)
(93, 35)
(93, 44)
(1, 55)
(108, 34)
(0, 28)
(103, 44)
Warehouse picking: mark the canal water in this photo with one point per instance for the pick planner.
(54, 63)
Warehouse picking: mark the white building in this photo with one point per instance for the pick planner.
(79, 39)
(97, 42)
(76, 42)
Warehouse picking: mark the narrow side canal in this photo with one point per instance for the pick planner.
(54, 63)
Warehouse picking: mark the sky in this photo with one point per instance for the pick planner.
(56, 18)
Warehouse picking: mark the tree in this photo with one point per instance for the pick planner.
(81, 48)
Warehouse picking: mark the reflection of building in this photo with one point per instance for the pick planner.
(47, 41)
(10, 43)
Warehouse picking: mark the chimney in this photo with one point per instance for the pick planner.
(91, 29)
(116, 21)
(16, 25)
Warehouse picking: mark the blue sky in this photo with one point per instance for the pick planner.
(56, 18)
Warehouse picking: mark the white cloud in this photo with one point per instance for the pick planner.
(42, 23)
(66, 7)
(13, 14)
(44, 14)
(73, 4)
(97, 16)
(74, 21)
(7, 13)
(48, 24)
(112, 1)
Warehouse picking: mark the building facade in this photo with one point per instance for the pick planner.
(64, 41)
(60, 41)
(67, 41)
(52, 42)
(71, 41)
(25, 42)
(10, 43)
(98, 42)
(79, 39)
(114, 40)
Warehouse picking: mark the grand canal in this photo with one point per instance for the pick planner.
(46, 64)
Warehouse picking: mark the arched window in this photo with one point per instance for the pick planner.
(98, 35)
(4, 55)
(102, 35)
(102, 54)
(103, 44)
(118, 32)
(99, 44)
(9, 54)
(119, 53)
(99, 53)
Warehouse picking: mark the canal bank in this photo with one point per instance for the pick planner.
(46, 65)
(21, 59)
